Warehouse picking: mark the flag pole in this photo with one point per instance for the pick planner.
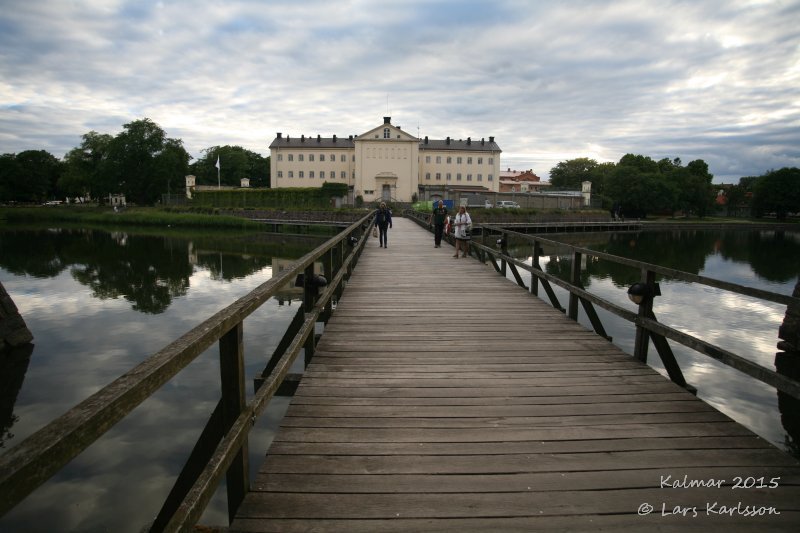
(219, 186)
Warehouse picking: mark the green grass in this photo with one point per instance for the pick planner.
(140, 216)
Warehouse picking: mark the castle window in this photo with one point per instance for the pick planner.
(386, 133)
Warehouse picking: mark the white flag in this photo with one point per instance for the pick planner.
(217, 165)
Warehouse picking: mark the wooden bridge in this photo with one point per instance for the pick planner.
(441, 397)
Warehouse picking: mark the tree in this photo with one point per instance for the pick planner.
(571, 173)
(81, 177)
(29, 176)
(9, 170)
(235, 163)
(141, 162)
(777, 191)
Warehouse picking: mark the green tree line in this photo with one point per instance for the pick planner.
(140, 162)
(639, 185)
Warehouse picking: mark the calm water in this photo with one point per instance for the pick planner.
(99, 303)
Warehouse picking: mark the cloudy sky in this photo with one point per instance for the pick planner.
(714, 80)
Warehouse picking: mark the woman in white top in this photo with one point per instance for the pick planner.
(461, 225)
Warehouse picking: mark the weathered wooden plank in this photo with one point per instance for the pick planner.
(786, 521)
(507, 410)
(750, 461)
(507, 504)
(724, 442)
(516, 482)
(512, 434)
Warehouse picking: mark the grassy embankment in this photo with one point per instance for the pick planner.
(139, 216)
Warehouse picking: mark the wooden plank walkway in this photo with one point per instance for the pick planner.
(445, 398)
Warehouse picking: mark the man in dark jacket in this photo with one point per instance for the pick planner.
(437, 219)
(383, 219)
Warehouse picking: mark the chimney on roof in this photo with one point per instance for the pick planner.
(351, 137)
(469, 140)
(482, 141)
(279, 135)
(387, 120)
(287, 138)
(426, 139)
(319, 138)
(334, 138)
(302, 138)
(491, 139)
(448, 140)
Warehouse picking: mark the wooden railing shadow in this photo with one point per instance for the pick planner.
(492, 245)
(221, 449)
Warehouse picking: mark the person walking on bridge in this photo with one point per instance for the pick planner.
(437, 219)
(383, 219)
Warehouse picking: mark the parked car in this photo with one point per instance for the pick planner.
(506, 204)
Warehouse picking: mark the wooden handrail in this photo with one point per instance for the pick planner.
(36, 459)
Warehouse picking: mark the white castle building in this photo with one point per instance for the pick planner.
(386, 163)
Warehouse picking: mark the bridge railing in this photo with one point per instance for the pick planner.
(221, 449)
(492, 245)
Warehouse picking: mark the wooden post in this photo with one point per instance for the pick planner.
(309, 294)
(575, 279)
(231, 364)
(535, 264)
(504, 251)
(327, 267)
(642, 340)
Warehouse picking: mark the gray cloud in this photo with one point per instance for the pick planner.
(703, 79)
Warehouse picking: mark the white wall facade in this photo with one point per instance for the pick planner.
(385, 163)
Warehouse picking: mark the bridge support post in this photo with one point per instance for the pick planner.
(308, 305)
(642, 340)
(535, 264)
(575, 279)
(233, 402)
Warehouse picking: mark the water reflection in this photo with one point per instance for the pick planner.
(13, 366)
(149, 271)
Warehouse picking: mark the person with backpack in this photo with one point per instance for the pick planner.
(437, 220)
(383, 219)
